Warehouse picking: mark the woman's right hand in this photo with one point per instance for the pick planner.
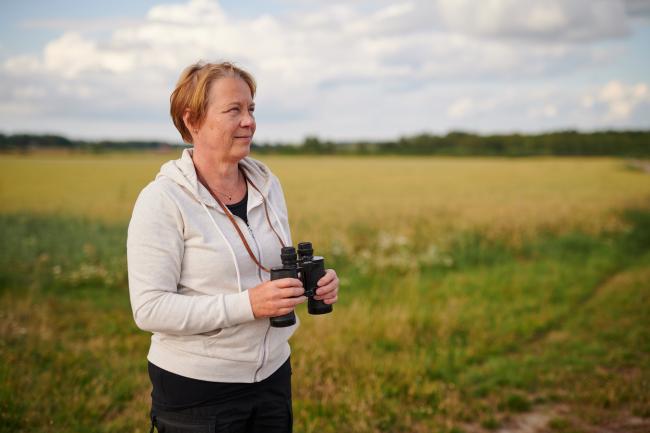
(276, 297)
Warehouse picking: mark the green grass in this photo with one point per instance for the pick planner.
(424, 338)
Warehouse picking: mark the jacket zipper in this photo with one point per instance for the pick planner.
(264, 351)
(259, 274)
(258, 251)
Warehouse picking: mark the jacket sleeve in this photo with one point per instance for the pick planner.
(155, 246)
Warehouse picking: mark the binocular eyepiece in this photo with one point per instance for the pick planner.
(308, 269)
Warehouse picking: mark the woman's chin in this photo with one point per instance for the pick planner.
(242, 151)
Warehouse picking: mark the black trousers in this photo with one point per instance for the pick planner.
(221, 407)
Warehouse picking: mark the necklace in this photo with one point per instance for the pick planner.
(223, 193)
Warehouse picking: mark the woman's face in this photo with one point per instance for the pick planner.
(229, 123)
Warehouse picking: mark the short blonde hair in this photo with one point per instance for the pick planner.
(192, 90)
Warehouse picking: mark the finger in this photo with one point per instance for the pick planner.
(283, 311)
(331, 301)
(329, 276)
(329, 295)
(289, 308)
(292, 292)
(287, 282)
(322, 291)
(287, 293)
(292, 302)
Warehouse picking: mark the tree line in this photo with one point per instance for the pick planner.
(559, 143)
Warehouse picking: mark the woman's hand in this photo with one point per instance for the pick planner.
(328, 287)
(277, 297)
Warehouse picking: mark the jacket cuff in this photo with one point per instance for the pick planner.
(238, 308)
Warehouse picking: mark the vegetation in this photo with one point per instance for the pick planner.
(336, 199)
(473, 291)
(33, 142)
(561, 143)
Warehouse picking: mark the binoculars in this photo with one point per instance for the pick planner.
(309, 269)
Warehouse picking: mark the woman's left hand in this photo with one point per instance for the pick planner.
(328, 287)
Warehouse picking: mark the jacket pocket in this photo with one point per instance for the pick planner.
(212, 333)
(239, 343)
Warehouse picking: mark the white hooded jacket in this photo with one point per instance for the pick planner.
(189, 275)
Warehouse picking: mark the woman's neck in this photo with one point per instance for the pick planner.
(214, 169)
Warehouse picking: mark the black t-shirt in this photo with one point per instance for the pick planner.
(240, 208)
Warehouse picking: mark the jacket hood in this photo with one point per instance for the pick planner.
(182, 172)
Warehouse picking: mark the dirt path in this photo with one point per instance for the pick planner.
(561, 417)
(546, 419)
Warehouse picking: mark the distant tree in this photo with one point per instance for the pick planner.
(455, 143)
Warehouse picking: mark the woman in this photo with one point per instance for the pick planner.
(201, 240)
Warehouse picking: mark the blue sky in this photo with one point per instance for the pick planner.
(337, 69)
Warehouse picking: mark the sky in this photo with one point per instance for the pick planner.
(339, 70)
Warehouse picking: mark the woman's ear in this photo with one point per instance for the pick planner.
(189, 123)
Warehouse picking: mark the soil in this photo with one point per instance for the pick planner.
(539, 421)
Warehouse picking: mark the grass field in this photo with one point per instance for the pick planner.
(328, 195)
(477, 294)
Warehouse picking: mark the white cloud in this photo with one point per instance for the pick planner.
(337, 70)
(611, 104)
(537, 19)
(638, 8)
(546, 110)
(72, 54)
(22, 64)
(543, 20)
(78, 24)
(622, 99)
(587, 101)
(333, 43)
(197, 12)
(460, 108)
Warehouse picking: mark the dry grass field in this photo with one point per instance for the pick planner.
(327, 195)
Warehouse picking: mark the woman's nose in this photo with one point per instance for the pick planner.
(248, 120)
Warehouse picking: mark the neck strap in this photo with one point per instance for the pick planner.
(234, 223)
